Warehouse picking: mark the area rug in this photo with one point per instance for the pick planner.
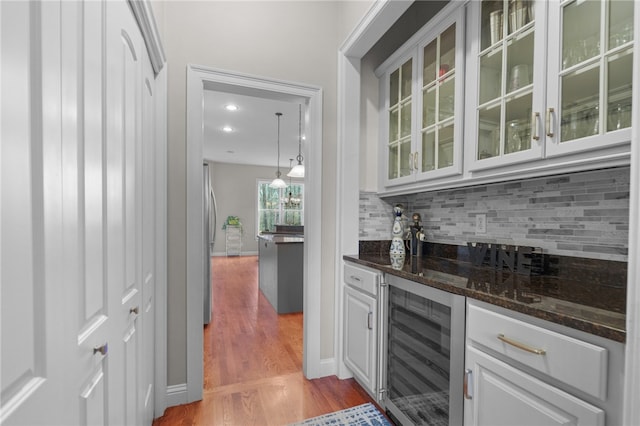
(361, 415)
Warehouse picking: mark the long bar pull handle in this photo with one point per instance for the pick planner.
(550, 112)
(535, 135)
(522, 346)
(370, 321)
(468, 384)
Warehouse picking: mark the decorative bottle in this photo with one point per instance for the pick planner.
(396, 251)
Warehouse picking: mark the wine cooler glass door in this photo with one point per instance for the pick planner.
(424, 354)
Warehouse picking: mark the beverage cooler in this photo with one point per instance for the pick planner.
(423, 354)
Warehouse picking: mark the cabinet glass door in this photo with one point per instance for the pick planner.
(438, 101)
(399, 112)
(505, 95)
(596, 67)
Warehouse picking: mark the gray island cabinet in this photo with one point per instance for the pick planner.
(281, 266)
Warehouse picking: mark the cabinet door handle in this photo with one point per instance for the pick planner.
(370, 321)
(353, 277)
(411, 161)
(415, 161)
(522, 346)
(535, 117)
(467, 386)
(550, 112)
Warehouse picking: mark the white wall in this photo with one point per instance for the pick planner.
(293, 41)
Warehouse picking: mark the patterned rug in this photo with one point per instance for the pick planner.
(361, 415)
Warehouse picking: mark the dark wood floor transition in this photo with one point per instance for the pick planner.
(253, 361)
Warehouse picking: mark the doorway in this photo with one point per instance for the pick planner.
(202, 78)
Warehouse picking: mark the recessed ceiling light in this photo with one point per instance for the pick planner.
(231, 107)
(227, 129)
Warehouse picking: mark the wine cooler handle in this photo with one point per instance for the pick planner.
(468, 384)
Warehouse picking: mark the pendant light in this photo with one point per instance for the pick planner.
(289, 201)
(298, 170)
(277, 182)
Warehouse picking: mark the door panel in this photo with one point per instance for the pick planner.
(23, 354)
(147, 368)
(124, 213)
(82, 50)
(30, 217)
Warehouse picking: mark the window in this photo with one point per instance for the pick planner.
(279, 206)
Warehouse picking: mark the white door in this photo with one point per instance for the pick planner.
(73, 185)
(148, 280)
(125, 50)
(35, 312)
(84, 205)
(504, 395)
(360, 336)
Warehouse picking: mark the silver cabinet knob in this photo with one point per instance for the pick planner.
(101, 349)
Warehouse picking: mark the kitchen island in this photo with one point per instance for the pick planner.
(280, 272)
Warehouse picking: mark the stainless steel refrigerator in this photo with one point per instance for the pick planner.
(209, 225)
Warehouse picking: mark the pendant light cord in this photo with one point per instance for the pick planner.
(299, 157)
(278, 172)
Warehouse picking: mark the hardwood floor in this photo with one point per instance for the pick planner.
(253, 361)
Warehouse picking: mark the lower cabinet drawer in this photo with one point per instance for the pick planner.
(574, 362)
(361, 277)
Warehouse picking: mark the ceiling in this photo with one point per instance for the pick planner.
(253, 140)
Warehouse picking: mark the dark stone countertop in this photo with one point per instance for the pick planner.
(283, 238)
(593, 306)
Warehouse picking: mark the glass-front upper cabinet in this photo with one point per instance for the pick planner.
(554, 78)
(437, 127)
(422, 101)
(510, 83)
(590, 75)
(399, 112)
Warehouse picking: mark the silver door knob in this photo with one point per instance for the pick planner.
(101, 349)
(134, 310)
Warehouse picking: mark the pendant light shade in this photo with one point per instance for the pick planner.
(298, 170)
(277, 182)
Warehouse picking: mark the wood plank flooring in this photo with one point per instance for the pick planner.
(253, 361)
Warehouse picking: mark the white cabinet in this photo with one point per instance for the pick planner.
(520, 370)
(504, 395)
(553, 79)
(421, 103)
(361, 325)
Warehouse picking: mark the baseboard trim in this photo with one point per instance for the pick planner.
(327, 367)
(176, 395)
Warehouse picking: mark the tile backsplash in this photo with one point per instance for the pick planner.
(582, 214)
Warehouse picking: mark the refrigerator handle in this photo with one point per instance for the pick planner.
(215, 216)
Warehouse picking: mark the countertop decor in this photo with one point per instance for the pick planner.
(584, 294)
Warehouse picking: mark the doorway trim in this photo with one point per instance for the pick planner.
(200, 78)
